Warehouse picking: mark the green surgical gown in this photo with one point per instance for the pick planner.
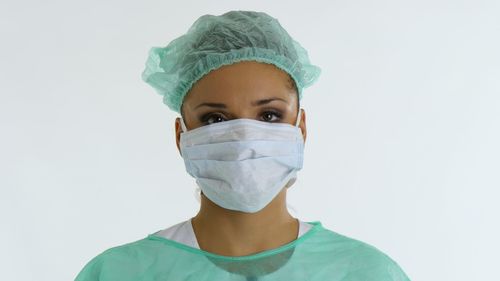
(319, 254)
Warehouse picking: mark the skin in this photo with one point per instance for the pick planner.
(236, 86)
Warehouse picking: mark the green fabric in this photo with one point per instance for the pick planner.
(214, 41)
(319, 254)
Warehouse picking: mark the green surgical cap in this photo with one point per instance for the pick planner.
(214, 41)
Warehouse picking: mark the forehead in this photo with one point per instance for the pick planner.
(241, 82)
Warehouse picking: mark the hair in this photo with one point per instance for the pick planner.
(290, 84)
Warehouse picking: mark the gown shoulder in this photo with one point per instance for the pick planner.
(127, 257)
(362, 261)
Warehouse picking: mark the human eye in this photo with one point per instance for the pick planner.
(268, 116)
(211, 118)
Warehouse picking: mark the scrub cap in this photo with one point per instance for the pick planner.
(214, 41)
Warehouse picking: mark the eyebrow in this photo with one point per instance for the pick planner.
(254, 103)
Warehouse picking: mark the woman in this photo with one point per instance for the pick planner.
(237, 79)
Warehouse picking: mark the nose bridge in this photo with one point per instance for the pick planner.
(246, 112)
(236, 112)
(240, 108)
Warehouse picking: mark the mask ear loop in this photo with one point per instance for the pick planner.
(298, 118)
(292, 181)
(197, 191)
(294, 211)
(290, 206)
(183, 126)
(197, 194)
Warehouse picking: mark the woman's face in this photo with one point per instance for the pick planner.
(246, 89)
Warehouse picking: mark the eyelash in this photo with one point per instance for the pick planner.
(204, 118)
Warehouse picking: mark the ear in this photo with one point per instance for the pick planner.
(302, 124)
(178, 131)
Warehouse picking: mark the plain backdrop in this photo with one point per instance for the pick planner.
(403, 130)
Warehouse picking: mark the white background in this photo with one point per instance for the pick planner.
(403, 130)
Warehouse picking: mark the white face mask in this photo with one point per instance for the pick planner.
(242, 164)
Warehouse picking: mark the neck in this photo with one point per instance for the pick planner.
(233, 233)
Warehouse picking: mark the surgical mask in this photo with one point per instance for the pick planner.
(242, 164)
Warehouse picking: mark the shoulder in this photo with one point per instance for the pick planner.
(360, 260)
(124, 262)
